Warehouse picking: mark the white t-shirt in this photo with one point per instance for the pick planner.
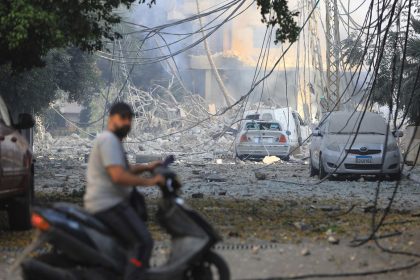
(101, 192)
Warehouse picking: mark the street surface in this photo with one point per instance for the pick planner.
(281, 216)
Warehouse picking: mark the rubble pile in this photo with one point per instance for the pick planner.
(209, 140)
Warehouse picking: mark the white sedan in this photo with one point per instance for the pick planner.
(257, 139)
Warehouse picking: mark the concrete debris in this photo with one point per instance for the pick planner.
(301, 226)
(255, 249)
(260, 176)
(329, 208)
(305, 252)
(215, 178)
(197, 195)
(333, 240)
(271, 159)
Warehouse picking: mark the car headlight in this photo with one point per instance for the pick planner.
(333, 147)
(392, 147)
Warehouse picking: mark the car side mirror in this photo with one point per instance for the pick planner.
(288, 133)
(25, 121)
(317, 133)
(398, 133)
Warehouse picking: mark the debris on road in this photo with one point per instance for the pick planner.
(270, 159)
(260, 176)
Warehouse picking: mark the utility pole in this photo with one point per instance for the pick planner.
(317, 84)
(332, 90)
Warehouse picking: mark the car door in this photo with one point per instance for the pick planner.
(11, 157)
(316, 141)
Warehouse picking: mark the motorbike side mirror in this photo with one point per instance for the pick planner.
(398, 133)
(25, 121)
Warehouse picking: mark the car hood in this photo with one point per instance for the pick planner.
(362, 140)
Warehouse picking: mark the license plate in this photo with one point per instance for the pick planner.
(267, 140)
(364, 159)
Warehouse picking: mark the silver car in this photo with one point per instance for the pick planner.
(335, 148)
(257, 139)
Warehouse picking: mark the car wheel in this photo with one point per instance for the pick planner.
(313, 170)
(285, 158)
(19, 211)
(395, 176)
(321, 174)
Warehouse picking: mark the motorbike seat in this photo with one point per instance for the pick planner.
(82, 216)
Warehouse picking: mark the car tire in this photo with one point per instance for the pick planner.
(19, 211)
(321, 174)
(312, 170)
(395, 176)
(285, 158)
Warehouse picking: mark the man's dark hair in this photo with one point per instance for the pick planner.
(122, 109)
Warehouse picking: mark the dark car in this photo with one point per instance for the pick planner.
(16, 168)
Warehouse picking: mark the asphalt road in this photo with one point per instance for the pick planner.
(58, 179)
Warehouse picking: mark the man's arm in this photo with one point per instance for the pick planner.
(123, 177)
(140, 168)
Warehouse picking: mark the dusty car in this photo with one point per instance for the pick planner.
(257, 139)
(289, 119)
(16, 169)
(336, 148)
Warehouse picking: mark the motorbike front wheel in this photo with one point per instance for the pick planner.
(212, 267)
(53, 266)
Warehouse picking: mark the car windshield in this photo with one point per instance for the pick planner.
(262, 126)
(348, 124)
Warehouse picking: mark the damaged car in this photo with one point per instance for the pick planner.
(353, 143)
(16, 168)
(258, 139)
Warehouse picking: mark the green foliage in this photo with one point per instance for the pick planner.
(386, 89)
(352, 50)
(30, 28)
(276, 12)
(71, 71)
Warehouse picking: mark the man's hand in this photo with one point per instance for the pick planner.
(152, 165)
(123, 177)
(159, 179)
(140, 168)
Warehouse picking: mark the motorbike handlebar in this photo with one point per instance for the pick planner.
(171, 182)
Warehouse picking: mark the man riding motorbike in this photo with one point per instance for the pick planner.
(110, 194)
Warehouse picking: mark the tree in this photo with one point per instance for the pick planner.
(276, 13)
(387, 91)
(30, 29)
(71, 71)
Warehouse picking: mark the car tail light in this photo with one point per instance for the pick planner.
(243, 138)
(283, 139)
(39, 222)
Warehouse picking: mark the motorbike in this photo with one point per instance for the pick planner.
(82, 247)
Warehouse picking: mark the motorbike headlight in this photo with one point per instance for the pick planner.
(392, 147)
(333, 147)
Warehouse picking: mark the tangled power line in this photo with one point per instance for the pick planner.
(374, 32)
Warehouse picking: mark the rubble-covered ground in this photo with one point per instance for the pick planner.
(275, 219)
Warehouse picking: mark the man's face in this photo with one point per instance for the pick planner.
(120, 124)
